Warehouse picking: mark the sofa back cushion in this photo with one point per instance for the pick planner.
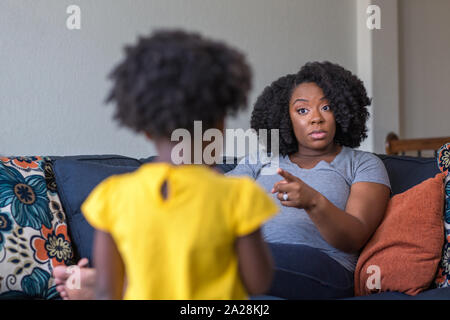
(405, 172)
(75, 180)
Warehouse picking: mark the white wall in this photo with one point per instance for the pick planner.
(424, 68)
(385, 75)
(377, 57)
(364, 59)
(405, 66)
(53, 80)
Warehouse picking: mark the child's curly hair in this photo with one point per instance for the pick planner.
(172, 78)
(346, 93)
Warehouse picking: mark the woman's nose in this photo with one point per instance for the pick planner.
(316, 117)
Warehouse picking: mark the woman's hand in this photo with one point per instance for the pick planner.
(299, 194)
(347, 230)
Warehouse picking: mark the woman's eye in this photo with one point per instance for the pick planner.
(326, 108)
(302, 110)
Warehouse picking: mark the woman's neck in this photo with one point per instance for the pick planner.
(311, 154)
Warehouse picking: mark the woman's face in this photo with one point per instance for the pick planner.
(311, 116)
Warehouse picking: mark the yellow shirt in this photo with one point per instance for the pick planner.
(181, 247)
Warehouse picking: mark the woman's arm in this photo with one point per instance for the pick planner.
(110, 269)
(255, 263)
(347, 230)
(247, 166)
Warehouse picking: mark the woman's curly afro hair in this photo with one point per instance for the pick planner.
(346, 93)
(172, 78)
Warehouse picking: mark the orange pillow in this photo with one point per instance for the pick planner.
(404, 252)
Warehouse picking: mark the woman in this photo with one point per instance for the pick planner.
(332, 197)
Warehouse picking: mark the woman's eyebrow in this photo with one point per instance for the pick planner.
(303, 100)
(306, 100)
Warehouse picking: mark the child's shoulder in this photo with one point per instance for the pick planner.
(213, 178)
(238, 182)
(155, 173)
(115, 183)
(126, 180)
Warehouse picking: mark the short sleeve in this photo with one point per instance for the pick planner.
(251, 207)
(97, 207)
(370, 168)
(251, 166)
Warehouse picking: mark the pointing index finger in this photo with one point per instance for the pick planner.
(286, 175)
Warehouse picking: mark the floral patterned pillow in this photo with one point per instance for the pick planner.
(33, 229)
(443, 275)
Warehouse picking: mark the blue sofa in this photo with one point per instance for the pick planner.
(76, 176)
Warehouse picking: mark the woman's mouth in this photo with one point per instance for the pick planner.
(318, 135)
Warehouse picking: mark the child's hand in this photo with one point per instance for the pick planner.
(293, 192)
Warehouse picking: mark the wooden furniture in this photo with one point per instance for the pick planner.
(394, 145)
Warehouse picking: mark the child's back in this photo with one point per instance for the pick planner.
(181, 246)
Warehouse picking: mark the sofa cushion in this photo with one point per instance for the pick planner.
(75, 179)
(405, 250)
(33, 229)
(443, 274)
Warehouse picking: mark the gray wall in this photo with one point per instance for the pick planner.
(53, 80)
(424, 68)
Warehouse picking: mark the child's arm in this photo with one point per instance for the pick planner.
(110, 268)
(255, 263)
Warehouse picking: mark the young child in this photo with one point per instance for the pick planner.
(179, 231)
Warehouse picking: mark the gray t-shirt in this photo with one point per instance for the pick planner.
(333, 180)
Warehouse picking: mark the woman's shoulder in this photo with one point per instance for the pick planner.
(360, 156)
(251, 165)
(367, 166)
